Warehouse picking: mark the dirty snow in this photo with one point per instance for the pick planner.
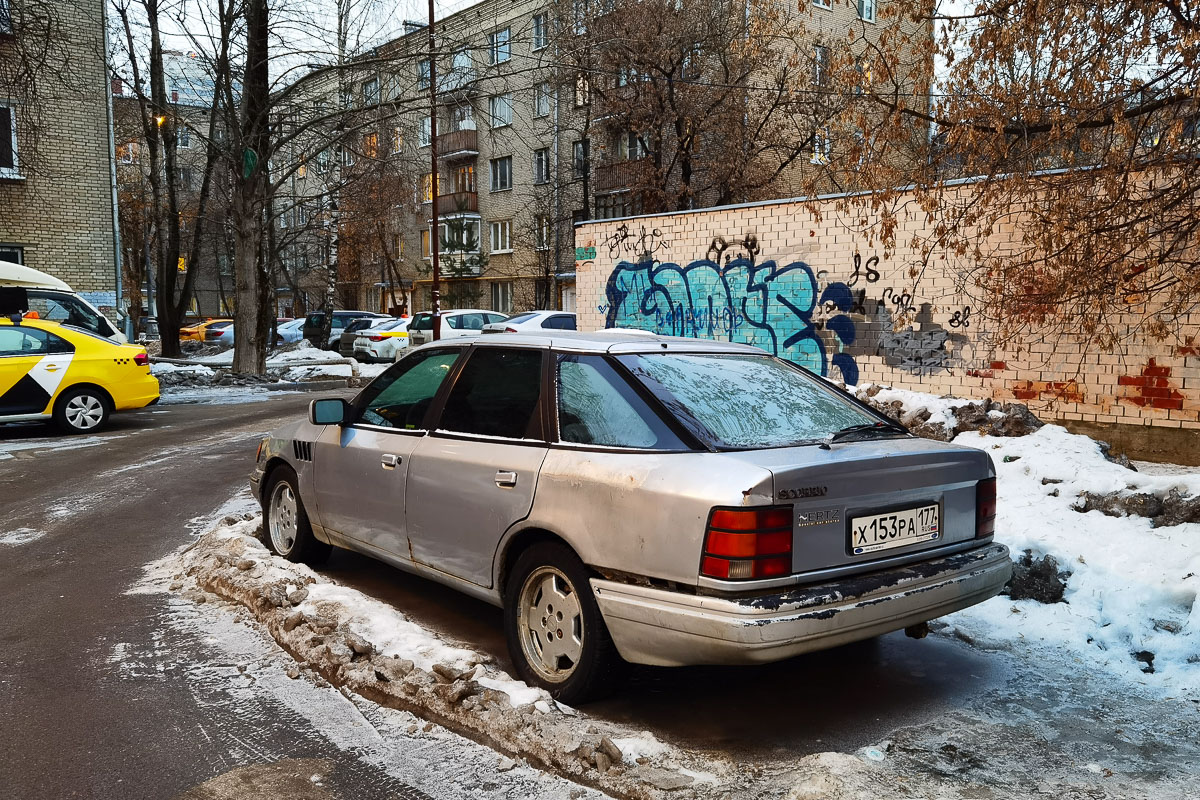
(198, 370)
(303, 352)
(319, 371)
(21, 536)
(1133, 588)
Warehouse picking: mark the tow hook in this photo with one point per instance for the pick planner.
(918, 631)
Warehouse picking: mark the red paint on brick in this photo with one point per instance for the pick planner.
(1153, 388)
(999, 365)
(1188, 348)
(1024, 394)
(980, 373)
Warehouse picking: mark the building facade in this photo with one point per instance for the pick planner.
(57, 199)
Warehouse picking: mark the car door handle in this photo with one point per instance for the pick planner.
(52, 368)
(506, 479)
(389, 461)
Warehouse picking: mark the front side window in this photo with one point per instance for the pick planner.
(400, 397)
(789, 406)
(68, 309)
(501, 173)
(596, 406)
(497, 394)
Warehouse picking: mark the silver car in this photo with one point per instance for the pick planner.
(657, 500)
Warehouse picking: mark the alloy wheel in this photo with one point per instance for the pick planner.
(550, 624)
(283, 522)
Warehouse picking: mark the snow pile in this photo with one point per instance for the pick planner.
(301, 351)
(161, 368)
(943, 418)
(1130, 600)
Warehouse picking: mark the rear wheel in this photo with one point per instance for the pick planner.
(83, 410)
(556, 635)
(287, 530)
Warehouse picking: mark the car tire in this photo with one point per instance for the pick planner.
(82, 410)
(565, 650)
(286, 529)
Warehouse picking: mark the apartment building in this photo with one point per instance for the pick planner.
(534, 134)
(56, 185)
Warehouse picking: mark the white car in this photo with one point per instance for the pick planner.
(383, 342)
(291, 331)
(459, 322)
(534, 321)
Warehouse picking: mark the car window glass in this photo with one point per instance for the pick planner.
(490, 318)
(400, 397)
(472, 322)
(454, 322)
(597, 406)
(68, 310)
(746, 401)
(314, 320)
(515, 318)
(20, 341)
(496, 394)
(422, 322)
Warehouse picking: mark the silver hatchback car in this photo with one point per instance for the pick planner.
(657, 500)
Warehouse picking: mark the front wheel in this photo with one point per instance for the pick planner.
(288, 531)
(556, 635)
(82, 410)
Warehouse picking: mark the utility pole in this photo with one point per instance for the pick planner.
(435, 233)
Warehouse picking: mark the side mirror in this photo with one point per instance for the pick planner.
(328, 411)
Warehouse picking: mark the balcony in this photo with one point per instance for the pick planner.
(620, 175)
(457, 145)
(457, 78)
(458, 203)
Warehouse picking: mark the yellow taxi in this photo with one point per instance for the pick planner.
(199, 331)
(76, 378)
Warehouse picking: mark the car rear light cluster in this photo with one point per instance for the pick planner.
(375, 337)
(748, 543)
(510, 330)
(985, 508)
(141, 359)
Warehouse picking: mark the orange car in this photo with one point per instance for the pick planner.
(199, 331)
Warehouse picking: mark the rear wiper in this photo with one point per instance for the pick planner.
(867, 427)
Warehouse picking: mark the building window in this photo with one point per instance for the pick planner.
(425, 251)
(5, 17)
(541, 100)
(464, 179)
(825, 4)
(579, 14)
(821, 147)
(371, 145)
(689, 70)
(425, 136)
(423, 73)
(347, 157)
(185, 178)
(866, 10)
(9, 164)
(397, 140)
(13, 253)
(126, 153)
(502, 236)
(499, 49)
(183, 135)
(301, 215)
(462, 118)
(285, 218)
(541, 165)
(502, 297)
(583, 91)
(820, 70)
(541, 232)
(427, 187)
(501, 173)
(579, 158)
(630, 146)
(370, 92)
(500, 110)
(619, 204)
(460, 235)
(540, 39)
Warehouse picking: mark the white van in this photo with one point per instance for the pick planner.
(25, 289)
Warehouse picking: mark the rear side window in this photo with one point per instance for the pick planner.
(597, 406)
(314, 320)
(562, 322)
(496, 394)
(400, 397)
(21, 341)
(68, 310)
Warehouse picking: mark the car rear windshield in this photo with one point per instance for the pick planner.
(745, 401)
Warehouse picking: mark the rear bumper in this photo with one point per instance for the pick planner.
(655, 626)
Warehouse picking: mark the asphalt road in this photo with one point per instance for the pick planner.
(104, 694)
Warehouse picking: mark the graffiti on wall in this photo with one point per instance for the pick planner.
(763, 304)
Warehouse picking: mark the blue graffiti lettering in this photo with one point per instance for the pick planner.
(761, 304)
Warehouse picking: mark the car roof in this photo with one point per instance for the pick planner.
(606, 341)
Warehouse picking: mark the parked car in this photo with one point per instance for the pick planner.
(383, 342)
(354, 328)
(290, 332)
(534, 321)
(668, 501)
(198, 332)
(220, 335)
(456, 323)
(24, 289)
(73, 376)
(314, 321)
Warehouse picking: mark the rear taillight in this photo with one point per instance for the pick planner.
(747, 543)
(376, 338)
(141, 359)
(510, 330)
(985, 508)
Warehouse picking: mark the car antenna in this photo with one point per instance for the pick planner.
(15, 318)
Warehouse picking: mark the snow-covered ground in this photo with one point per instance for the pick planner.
(207, 380)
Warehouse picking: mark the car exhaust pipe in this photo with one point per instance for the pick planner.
(918, 631)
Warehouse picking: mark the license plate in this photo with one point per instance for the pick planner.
(894, 529)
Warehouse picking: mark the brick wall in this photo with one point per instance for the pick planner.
(59, 212)
(824, 296)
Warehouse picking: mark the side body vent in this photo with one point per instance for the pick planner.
(302, 450)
